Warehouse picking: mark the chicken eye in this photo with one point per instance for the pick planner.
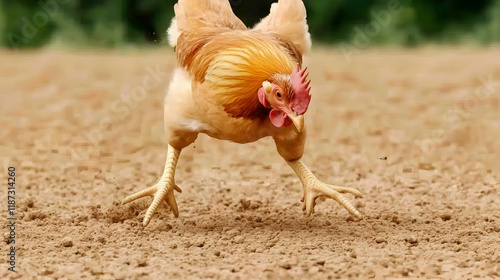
(278, 94)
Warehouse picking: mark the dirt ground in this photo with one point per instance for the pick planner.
(416, 131)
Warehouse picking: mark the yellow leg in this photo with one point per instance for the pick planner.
(313, 188)
(163, 190)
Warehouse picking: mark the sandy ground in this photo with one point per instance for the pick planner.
(416, 131)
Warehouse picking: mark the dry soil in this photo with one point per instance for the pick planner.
(416, 131)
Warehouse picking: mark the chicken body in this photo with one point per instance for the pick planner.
(200, 106)
(239, 84)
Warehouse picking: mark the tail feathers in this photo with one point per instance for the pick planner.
(287, 21)
(196, 14)
(173, 33)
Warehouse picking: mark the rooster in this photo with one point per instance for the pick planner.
(239, 84)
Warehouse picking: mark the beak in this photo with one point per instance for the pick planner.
(298, 120)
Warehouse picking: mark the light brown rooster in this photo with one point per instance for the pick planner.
(239, 84)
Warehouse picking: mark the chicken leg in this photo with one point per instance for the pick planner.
(314, 188)
(163, 190)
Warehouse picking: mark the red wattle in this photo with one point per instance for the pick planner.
(279, 118)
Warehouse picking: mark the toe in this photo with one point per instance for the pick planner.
(159, 196)
(147, 192)
(352, 191)
(309, 202)
(170, 199)
(342, 200)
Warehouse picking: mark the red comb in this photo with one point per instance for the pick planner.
(300, 100)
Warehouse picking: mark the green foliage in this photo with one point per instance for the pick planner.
(113, 23)
(488, 30)
(23, 25)
(447, 21)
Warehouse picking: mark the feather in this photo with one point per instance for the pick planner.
(196, 22)
(193, 14)
(217, 49)
(287, 22)
(244, 61)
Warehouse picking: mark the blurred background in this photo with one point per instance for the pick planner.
(115, 23)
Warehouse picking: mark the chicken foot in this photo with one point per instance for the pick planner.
(314, 188)
(163, 190)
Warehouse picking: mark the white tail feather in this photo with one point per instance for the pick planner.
(173, 33)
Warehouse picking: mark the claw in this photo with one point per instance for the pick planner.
(313, 188)
(332, 192)
(170, 199)
(163, 190)
(159, 196)
(308, 205)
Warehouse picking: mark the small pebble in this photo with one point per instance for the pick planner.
(378, 228)
(245, 203)
(412, 240)
(200, 242)
(446, 216)
(67, 242)
(47, 272)
(6, 236)
(381, 239)
(30, 203)
(232, 232)
(239, 239)
(286, 266)
(395, 220)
